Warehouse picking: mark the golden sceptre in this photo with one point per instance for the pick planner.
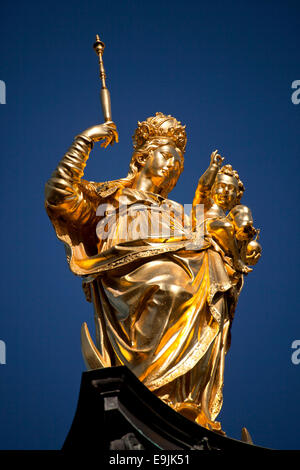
(104, 93)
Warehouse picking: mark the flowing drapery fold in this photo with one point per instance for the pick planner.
(163, 307)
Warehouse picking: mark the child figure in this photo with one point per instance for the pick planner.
(220, 190)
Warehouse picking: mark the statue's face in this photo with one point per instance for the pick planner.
(225, 191)
(163, 166)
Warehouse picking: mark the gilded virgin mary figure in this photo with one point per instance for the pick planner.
(163, 304)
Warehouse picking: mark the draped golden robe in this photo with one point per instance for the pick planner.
(163, 305)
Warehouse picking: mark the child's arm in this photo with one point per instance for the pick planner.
(202, 194)
(208, 178)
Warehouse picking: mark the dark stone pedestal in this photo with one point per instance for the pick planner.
(116, 411)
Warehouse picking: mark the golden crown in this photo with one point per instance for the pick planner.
(158, 126)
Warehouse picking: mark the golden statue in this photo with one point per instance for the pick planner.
(163, 303)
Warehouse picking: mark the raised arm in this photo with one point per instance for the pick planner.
(205, 183)
(62, 192)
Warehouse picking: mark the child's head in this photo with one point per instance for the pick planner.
(228, 189)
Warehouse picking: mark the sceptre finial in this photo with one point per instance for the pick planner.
(104, 93)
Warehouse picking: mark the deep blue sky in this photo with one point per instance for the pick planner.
(224, 68)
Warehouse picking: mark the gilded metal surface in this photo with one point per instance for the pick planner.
(162, 307)
(104, 93)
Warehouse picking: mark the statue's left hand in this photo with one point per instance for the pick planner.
(106, 132)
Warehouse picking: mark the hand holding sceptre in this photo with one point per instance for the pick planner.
(105, 101)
